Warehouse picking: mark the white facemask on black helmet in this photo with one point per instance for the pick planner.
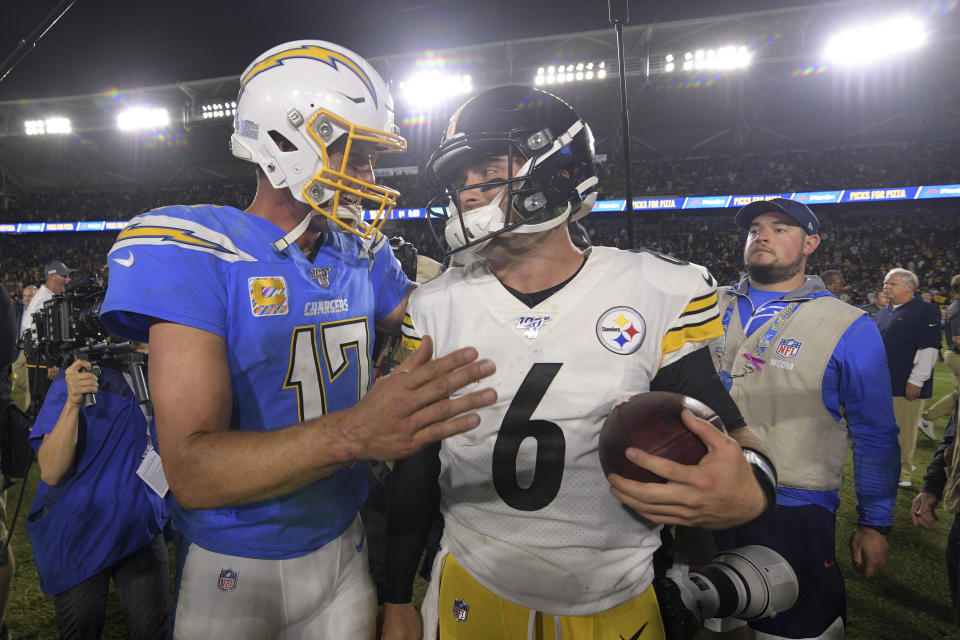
(556, 183)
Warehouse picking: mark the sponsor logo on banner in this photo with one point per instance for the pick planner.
(268, 296)
(228, 580)
(789, 348)
(621, 330)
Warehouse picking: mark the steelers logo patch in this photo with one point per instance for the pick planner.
(621, 330)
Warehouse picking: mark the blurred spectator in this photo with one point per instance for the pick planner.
(19, 373)
(56, 275)
(878, 300)
(951, 355)
(8, 352)
(911, 335)
(835, 284)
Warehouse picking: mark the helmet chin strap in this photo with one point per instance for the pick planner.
(370, 245)
(282, 244)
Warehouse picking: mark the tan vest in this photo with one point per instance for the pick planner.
(783, 402)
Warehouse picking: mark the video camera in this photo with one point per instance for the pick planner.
(68, 328)
(747, 583)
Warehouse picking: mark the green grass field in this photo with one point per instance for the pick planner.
(907, 600)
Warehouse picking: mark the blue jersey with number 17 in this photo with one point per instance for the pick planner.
(299, 338)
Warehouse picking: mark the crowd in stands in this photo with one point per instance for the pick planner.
(862, 244)
(882, 165)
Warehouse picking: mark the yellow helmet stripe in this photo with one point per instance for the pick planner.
(312, 52)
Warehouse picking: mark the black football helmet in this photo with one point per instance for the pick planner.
(556, 183)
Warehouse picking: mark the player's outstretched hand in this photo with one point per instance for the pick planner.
(719, 492)
(415, 404)
(401, 622)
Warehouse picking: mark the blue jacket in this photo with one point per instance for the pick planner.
(101, 511)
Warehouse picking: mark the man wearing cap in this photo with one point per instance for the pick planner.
(802, 367)
(56, 275)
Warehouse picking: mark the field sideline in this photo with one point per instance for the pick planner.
(908, 599)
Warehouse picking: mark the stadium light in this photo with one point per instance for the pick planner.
(875, 41)
(726, 58)
(47, 126)
(142, 118)
(573, 72)
(218, 110)
(428, 87)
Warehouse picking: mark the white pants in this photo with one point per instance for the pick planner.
(324, 594)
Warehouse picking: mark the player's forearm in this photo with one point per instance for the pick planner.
(214, 469)
(56, 452)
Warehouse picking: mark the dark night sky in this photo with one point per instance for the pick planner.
(100, 44)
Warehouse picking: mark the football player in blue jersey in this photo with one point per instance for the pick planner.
(261, 324)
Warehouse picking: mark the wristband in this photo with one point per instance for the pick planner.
(767, 477)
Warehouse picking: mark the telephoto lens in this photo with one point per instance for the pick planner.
(748, 583)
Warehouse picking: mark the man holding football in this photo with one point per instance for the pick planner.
(808, 372)
(536, 539)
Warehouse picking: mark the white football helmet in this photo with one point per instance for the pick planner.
(295, 101)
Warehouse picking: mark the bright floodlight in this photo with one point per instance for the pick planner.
(724, 58)
(48, 126)
(875, 41)
(219, 110)
(142, 118)
(579, 72)
(428, 87)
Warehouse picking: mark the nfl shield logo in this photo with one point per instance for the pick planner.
(460, 610)
(228, 580)
(789, 348)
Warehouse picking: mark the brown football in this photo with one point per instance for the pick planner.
(651, 421)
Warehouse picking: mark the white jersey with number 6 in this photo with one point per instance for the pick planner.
(528, 510)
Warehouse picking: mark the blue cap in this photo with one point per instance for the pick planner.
(800, 213)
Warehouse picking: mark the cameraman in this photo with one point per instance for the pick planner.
(95, 517)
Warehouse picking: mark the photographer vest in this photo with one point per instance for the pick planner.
(783, 402)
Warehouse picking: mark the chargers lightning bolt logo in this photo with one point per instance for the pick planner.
(169, 234)
(312, 52)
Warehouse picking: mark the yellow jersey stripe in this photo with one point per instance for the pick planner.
(699, 332)
(700, 304)
(409, 343)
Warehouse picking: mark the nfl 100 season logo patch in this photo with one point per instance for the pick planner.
(529, 326)
(268, 296)
(228, 580)
(788, 348)
(321, 275)
(621, 330)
